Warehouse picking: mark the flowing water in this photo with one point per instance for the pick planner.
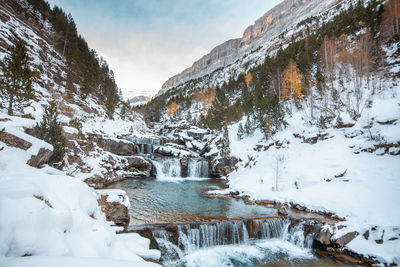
(213, 231)
(237, 243)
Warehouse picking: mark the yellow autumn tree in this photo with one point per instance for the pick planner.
(172, 108)
(205, 96)
(292, 82)
(248, 79)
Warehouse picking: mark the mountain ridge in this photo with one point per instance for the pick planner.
(255, 37)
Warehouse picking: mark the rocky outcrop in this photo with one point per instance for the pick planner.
(323, 237)
(14, 141)
(223, 167)
(114, 211)
(139, 167)
(121, 148)
(41, 158)
(101, 182)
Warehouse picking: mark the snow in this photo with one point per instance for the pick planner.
(367, 196)
(115, 195)
(52, 218)
(68, 261)
(64, 217)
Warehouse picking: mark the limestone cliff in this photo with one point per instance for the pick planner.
(256, 37)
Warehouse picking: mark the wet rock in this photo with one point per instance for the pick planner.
(282, 211)
(41, 158)
(223, 167)
(138, 163)
(14, 141)
(184, 166)
(323, 237)
(347, 238)
(114, 211)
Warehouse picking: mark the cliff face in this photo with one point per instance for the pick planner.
(259, 35)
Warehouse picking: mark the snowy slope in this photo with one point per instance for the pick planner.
(62, 211)
(352, 172)
(52, 217)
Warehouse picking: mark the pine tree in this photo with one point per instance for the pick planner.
(240, 132)
(16, 81)
(50, 130)
(248, 127)
(225, 151)
(69, 85)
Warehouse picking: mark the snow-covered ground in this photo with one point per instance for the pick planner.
(333, 174)
(54, 218)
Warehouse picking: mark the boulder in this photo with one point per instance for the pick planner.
(366, 235)
(345, 239)
(41, 158)
(138, 163)
(164, 151)
(14, 141)
(115, 212)
(121, 148)
(197, 133)
(282, 211)
(323, 237)
(222, 167)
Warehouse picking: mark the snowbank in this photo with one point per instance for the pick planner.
(332, 175)
(55, 218)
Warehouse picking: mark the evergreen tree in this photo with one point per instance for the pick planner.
(16, 81)
(248, 127)
(50, 130)
(226, 151)
(69, 85)
(240, 132)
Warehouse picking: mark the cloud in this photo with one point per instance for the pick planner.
(144, 61)
(146, 42)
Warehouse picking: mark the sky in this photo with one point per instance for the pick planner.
(145, 42)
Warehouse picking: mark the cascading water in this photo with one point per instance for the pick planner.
(197, 168)
(231, 237)
(167, 167)
(145, 145)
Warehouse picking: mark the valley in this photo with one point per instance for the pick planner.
(279, 148)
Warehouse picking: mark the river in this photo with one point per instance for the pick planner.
(225, 242)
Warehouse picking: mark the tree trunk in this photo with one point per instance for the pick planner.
(10, 105)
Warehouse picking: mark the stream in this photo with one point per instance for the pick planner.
(236, 235)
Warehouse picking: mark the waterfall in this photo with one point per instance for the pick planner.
(296, 235)
(197, 168)
(167, 167)
(145, 145)
(192, 237)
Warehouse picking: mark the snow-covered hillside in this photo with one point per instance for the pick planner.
(350, 168)
(51, 216)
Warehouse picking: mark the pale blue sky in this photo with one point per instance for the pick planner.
(147, 41)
